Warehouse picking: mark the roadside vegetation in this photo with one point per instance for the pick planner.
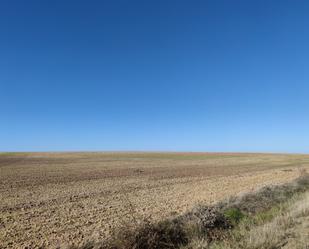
(272, 217)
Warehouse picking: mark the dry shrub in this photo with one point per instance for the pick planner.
(166, 234)
(209, 222)
(163, 235)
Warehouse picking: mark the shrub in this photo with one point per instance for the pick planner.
(167, 234)
(209, 222)
(234, 215)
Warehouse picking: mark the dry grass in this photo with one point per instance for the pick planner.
(56, 199)
(285, 225)
(288, 229)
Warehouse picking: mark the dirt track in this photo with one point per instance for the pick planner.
(54, 199)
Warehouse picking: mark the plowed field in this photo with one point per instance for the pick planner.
(56, 199)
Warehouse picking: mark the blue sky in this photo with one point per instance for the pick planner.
(154, 75)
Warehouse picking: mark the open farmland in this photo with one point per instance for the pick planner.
(56, 199)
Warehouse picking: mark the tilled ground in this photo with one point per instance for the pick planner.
(56, 199)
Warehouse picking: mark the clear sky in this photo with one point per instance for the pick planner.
(154, 75)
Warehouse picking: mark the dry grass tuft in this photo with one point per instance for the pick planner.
(275, 233)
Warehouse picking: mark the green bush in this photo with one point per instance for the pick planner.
(234, 215)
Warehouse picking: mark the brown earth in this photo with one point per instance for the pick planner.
(56, 199)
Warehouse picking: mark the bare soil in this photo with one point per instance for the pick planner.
(56, 199)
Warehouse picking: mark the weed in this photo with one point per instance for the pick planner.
(234, 215)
